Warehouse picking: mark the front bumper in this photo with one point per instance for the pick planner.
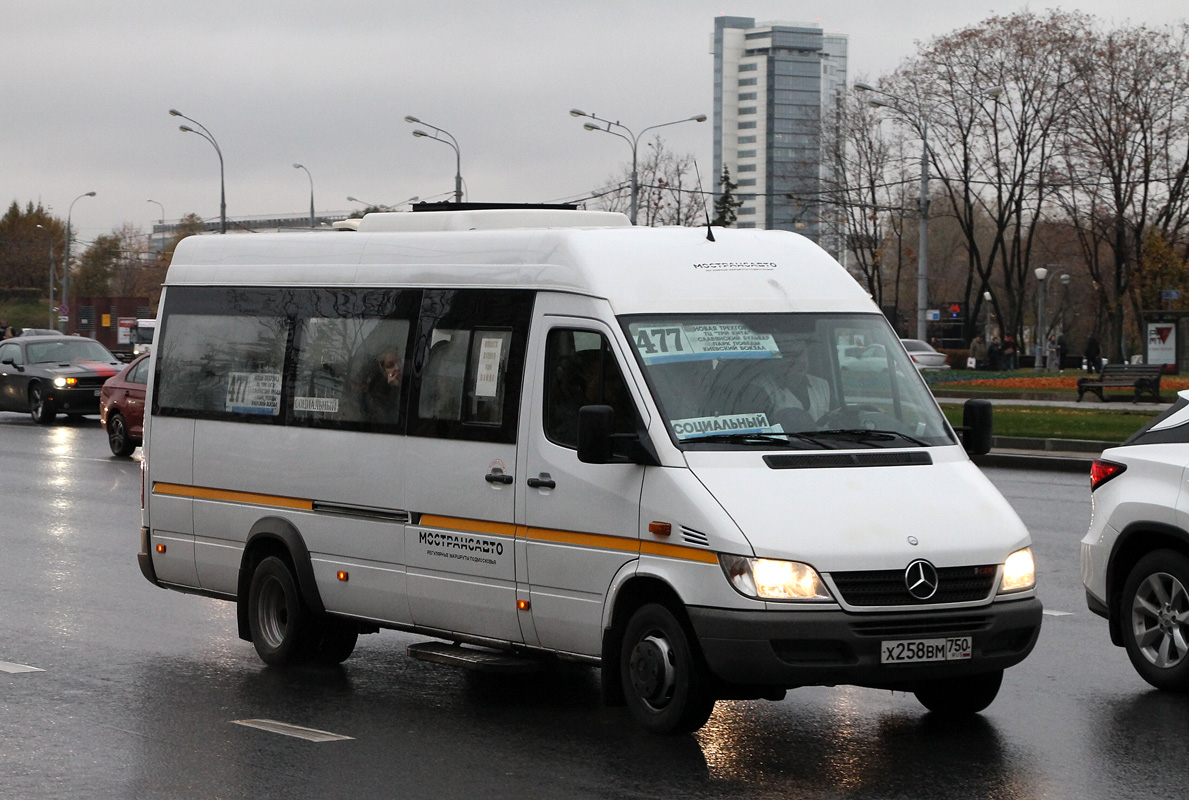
(74, 401)
(824, 648)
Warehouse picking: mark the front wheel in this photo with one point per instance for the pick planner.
(278, 618)
(664, 682)
(118, 438)
(40, 409)
(1154, 617)
(960, 696)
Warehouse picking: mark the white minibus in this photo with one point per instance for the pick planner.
(544, 434)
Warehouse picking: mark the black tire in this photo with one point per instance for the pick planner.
(278, 618)
(954, 697)
(664, 681)
(118, 438)
(40, 409)
(333, 641)
(1154, 618)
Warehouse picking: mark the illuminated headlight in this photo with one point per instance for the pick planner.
(1019, 572)
(60, 383)
(769, 579)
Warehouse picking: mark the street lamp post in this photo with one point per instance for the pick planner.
(205, 134)
(453, 143)
(922, 206)
(50, 235)
(159, 205)
(633, 141)
(66, 258)
(1042, 275)
(311, 177)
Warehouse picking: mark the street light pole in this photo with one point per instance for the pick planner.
(453, 143)
(205, 134)
(50, 235)
(633, 141)
(311, 177)
(159, 205)
(66, 258)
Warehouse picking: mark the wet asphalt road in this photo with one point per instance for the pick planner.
(140, 689)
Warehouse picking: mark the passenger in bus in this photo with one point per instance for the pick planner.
(381, 392)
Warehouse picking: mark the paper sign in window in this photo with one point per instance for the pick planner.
(254, 392)
(487, 376)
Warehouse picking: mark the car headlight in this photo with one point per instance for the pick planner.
(770, 579)
(60, 383)
(1019, 572)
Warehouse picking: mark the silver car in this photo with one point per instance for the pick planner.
(1135, 556)
(924, 356)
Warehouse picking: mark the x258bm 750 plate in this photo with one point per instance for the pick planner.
(912, 651)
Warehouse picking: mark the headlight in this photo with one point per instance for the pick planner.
(1019, 572)
(60, 383)
(769, 579)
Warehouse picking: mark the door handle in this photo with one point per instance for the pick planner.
(541, 483)
(498, 477)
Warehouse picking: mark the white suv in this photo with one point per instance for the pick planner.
(1135, 557)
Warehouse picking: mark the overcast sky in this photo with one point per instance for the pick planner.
(86, 86)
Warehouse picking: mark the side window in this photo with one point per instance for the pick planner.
(352, 359)
(222, 353)
(580, 370)
(140, 373)
(469, 363)
(11, 351)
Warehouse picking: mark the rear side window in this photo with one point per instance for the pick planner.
(224, 355)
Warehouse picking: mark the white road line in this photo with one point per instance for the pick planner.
(296, 731)
(8, 666)
(1058, 613)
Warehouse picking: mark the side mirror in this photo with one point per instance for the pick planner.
(595, 426)
(977, 426)
(9, 361)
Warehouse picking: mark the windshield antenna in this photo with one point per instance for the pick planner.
(709, 230)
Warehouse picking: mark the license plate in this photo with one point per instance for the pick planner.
(98, 392)
(912, 651)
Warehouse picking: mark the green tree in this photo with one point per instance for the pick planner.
(96, 267)
(27, 250)
(726, 205)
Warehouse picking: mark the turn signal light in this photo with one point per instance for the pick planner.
(660, 528)
(343, 575)
(1102, 471)
(160, 548)
(522, 605)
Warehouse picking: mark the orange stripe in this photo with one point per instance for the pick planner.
(677, 551)
(202, 493)
(468, 525)
(600, 541)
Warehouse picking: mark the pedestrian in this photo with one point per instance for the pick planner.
(1009, 353)
(1062, 351)
(6, 330)
(1051, 354)
(1092, 354)
(978, 351)
(995, 355)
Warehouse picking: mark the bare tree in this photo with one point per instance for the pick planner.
(1123, 166)
(669, 193)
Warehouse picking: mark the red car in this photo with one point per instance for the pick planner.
(121, 407)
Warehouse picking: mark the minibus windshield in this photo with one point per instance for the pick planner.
(789, 380)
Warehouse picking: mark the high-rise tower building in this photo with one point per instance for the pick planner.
(775, 87)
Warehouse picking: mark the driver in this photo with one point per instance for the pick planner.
(791, 385)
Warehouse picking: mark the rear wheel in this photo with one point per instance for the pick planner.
(278, 618)
(41, 409)
(960, 696)
(118, 439)
(1155, 619)
(664, 682)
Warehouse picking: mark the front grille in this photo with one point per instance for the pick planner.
(886, 587)
(89, 382)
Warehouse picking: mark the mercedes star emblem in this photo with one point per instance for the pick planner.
(921, 579)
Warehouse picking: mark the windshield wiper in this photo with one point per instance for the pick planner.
(871, 435)
(784, 439)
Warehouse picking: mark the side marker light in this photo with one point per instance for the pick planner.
(343, 576)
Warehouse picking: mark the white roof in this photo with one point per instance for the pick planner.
(637, 269)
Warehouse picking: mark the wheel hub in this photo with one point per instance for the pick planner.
(651, 667)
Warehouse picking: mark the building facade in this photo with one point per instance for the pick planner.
(778, 88)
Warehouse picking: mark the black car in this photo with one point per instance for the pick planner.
(53, 374)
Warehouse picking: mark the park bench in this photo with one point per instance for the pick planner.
(1143, 379)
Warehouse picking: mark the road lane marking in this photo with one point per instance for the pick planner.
(296, 731)
(1058, 613)
(8, 666)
